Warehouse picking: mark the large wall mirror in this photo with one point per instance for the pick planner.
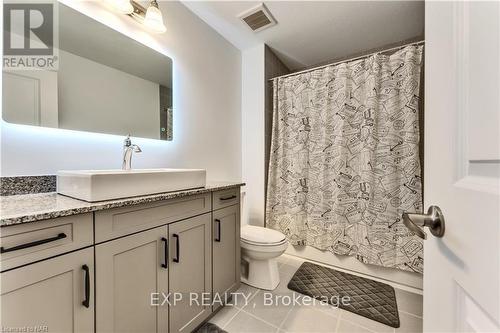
(106, 83)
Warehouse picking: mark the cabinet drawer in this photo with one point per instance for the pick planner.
(25, 243)
(113, 223)
(226, 198)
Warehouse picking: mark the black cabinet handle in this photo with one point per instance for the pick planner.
(218, 237)
(35, 243)
(86, 301)
(165, 262)
(177, 248)
(228, 198)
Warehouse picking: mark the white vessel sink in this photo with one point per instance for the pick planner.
(100, 185)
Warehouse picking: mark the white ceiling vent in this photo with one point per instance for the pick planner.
(258, 18)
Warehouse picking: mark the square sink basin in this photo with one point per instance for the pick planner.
(101, 185)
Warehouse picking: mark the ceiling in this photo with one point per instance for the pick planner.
(312, 32)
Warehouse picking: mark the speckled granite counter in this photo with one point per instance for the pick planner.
(26, 208)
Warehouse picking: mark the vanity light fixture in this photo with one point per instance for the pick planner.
(121, 6)
(154, 18)
(150, 17)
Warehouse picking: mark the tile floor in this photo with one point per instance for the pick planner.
(254, 317)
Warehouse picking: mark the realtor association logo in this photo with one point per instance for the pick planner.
(29, 35)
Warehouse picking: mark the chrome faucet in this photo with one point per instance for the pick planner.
(128, 150)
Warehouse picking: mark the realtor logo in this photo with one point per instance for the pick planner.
(29, 35)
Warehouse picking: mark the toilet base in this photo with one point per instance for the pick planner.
(262, 274)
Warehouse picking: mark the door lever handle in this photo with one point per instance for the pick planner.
(434, 220)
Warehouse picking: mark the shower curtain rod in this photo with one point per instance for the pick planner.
(348, 60)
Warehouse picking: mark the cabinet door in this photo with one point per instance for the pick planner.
(190, 272)
(49, 296)
(226, 252)
(128, 271)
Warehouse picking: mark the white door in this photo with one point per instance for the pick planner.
(30, 97)
(462, 163)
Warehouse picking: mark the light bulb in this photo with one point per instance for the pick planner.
(122, 6)
(154, 18)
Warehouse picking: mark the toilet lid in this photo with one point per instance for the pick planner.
(261, 235)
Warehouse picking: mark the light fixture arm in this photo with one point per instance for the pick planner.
(139, 11)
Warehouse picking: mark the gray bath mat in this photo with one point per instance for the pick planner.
(210, 328)
(368, 298)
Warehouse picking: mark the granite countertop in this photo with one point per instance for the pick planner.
(24, 208)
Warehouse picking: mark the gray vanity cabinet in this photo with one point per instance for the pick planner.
(226, 252)
(138, 254)
(54, 295)
(128, 271)
(190, 272)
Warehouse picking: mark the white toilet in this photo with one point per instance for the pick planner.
(259, 249)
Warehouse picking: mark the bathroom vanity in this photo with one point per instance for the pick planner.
(73, 266)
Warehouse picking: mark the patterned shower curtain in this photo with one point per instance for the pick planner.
(344, 161)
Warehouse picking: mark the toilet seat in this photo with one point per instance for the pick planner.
(260, 236)
(263, 244)
(264, 248)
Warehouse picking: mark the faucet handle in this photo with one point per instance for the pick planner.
(137, 149)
